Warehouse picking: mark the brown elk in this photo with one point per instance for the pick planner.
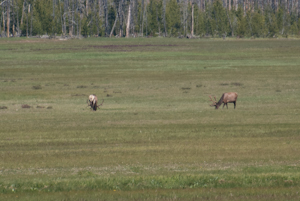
(92, 101)
(229, 97)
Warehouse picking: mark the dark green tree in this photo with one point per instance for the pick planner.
(154, 13)
(173, 18)
(258, 24)
(221, 21)
(241, 22)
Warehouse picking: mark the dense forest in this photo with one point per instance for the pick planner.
(134, 18)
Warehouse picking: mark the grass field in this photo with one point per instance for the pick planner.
(155, 137)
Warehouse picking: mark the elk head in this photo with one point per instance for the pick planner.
(214, 102)
(91, 99)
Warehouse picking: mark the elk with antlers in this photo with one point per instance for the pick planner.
(92, 101)
(229, 97)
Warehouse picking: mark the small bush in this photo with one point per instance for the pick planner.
(26, 106)
(81, 86)
(49, 107)
(3, 107)
(37, 87)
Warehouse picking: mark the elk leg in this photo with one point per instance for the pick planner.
(223, 105)
(226, 105)
(234, 104)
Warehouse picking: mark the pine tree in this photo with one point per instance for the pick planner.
(258, 24)
(221, 21)
(241, 22)
(173, 17)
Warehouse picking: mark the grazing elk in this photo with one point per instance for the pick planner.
(229, 97)
(92, 101)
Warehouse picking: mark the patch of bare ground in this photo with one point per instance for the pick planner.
(50, 49)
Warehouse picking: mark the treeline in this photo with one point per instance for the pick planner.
(132, 18)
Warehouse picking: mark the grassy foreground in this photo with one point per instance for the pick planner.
(155, 137)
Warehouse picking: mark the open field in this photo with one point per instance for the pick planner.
(155, 137)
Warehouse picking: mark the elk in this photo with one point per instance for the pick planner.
(92, 101)
(229, 97)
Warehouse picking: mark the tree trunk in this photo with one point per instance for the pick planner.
(31, 20)
(64, 16)
(96, 17)
(244, 7)
(8, 18)
(121, 17)
(142, 19)
(3, 19)
(91, 23)
(71, 18)
(76, 18)
(0, 26)
(297, 7)
(128, 20)
(293, 3)
(61, 19)
(13, 20)
(18, 24)
(158, 24)
(185, 10)
(192, 32)
(106, 18)
(134, 15)
(23, 9)
(53, 15)
(146, 18)
(87, 7)
(99, 4)
(27, 20)
(164, 17)
(112, 30)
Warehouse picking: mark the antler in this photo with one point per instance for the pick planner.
(214, 102)
(101, 103)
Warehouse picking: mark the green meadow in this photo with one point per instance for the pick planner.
(155, 137)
